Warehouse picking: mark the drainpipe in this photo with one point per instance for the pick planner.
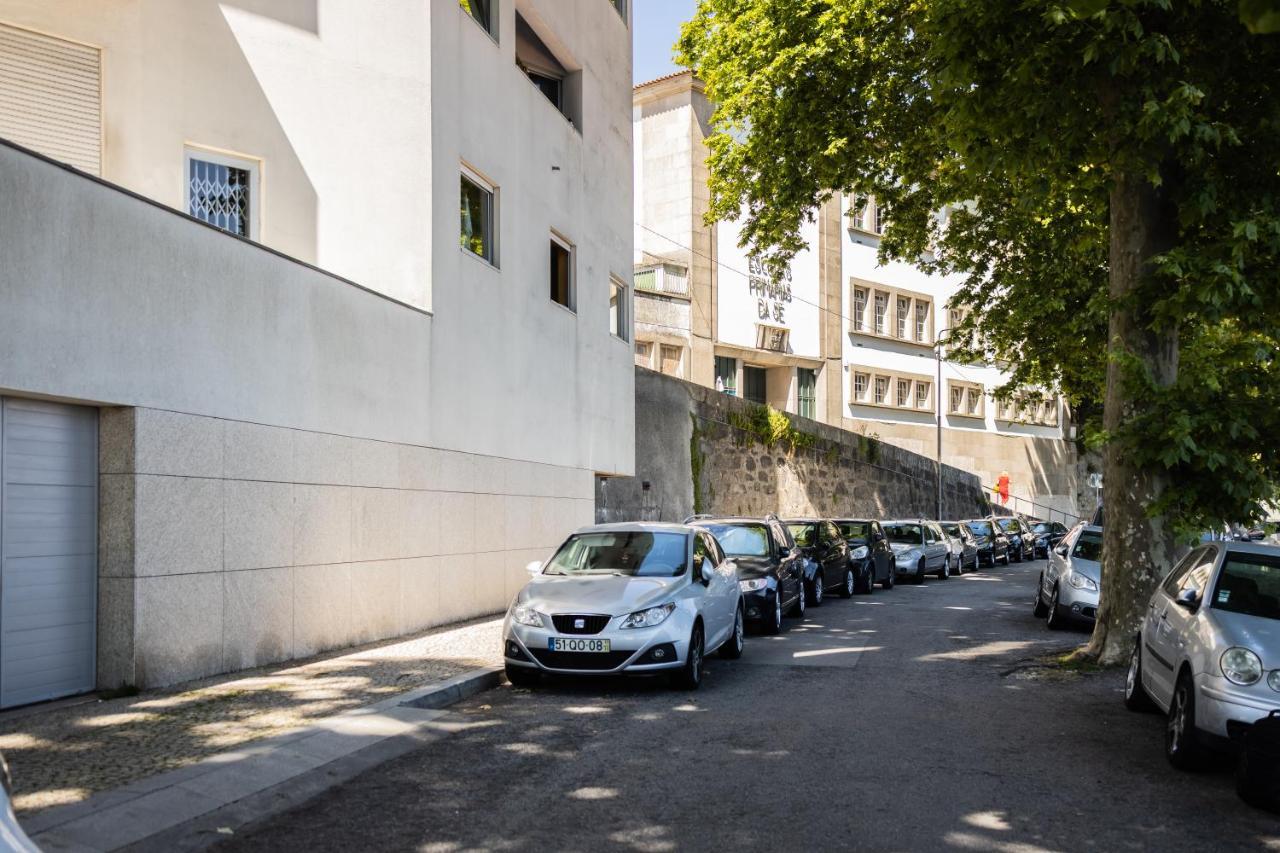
(937, 398)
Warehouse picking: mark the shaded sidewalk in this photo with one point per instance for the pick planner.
(65, 753)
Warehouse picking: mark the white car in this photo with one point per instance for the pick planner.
(1208, 652)
(626, 598)
(12, 838)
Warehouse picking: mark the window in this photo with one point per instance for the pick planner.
(774, 338)
(618, 324)
(806, 392)
(621, 7)
(922, 395)
(482, 12)
(957, 400)
(662, 278)
(671, 359)
(922, 319)
(956, 318)
(857, 215)
(904, 392)
(561, 272)
(881, 221)
(904, 314)
(975, 401)
(882, 305)
(223, 191)
(1173, 580)
(753, 384)
(966, 398)
(727, 375)
(882, 389)
(644, 354)
(542, 67)
(477, 231)
(860, 382)
(859, 308)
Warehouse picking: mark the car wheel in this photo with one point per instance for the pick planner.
(871, 579)
(918, 578)
(891, 579)
(1039, 610)
(1054, 619)
(797, 609)
(521, 676)
(1181, 745)
(847, 588)
(1135, 695)
(945, 571)
(689, 676)
(816, 591)
(732, 648)
(774, 625)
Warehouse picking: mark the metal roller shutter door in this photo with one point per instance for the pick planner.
(51, 97)
(48, 549)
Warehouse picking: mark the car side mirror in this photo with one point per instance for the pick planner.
(534, 568)
(704, 573)
(1188, 598)
(1061, 550)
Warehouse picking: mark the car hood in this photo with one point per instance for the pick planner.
(1089, 568)
(753, 567)
(856, 541)
(1253, 632)
(609, 594)
(899, 547)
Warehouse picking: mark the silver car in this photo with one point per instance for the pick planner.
(919, 548)
(1208, 652)
(634, 598)
(964, 548)
(1069, 584)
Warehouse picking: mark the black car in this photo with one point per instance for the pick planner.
(869, 553)
(820, 541)
(1021, 542)
(1047, 534)
(771, 569)
(993, 544)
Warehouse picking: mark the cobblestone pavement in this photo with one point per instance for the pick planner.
(69, 752)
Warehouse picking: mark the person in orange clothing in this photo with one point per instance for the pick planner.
(1002, 486)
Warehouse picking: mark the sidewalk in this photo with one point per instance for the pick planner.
(70, 752)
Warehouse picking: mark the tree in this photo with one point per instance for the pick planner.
(1106, 175)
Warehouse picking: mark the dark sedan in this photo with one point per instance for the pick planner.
(993, 545)
(869, 553)
(1021, 542)
(820, 541)
(771, 569)
(1048, 534)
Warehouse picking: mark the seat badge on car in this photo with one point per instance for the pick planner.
(579, 623)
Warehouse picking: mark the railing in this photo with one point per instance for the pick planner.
(1026, 506)
(662, 278)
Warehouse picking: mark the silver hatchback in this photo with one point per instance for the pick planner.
(1069, 584)
(1208, 653)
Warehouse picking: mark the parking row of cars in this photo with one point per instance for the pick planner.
(658, 598)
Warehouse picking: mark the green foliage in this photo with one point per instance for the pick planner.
(771, 428)
(697, 459)
(1024, 124)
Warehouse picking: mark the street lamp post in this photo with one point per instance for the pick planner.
(937, 392)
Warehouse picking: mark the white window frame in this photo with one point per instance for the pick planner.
(494, 198)
(564, 243)
(860, 311)
(925, 404)
(253, 165)
(880, 322)
(866, 386)
(624, 308)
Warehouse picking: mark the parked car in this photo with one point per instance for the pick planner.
(771, 569)
(1021, 541)
(919, 548)
(1048, 534)
(964, 548)
(869, 551)
(1069, 585)
(12, 837)
(992, 544)
(1208, 651)
(820, 541)
(635, 598)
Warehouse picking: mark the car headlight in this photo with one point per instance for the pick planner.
(1274, 680)
(909, 556)
(859, 553)
(526, 616)
(1241, 666)
(648, 618)
(753, 585)
(1079, 581)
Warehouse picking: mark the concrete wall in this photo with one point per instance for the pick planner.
(687, 433)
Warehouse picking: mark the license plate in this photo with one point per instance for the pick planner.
(569, 644)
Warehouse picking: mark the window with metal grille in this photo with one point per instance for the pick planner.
(807, 392)
(904, 392)
(882, 389)
(859, 308)
(753, 384)
(922, 395)
(860, 381)
(904, 314)
(727, 375)
(882, 307)
(222, 191)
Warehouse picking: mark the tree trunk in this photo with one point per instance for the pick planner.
(1137, 549)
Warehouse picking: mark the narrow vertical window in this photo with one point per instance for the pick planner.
(482, 12)
(882, 307)
(644, 354)
(975, 400)
(904, 392)
(859, 308)
(476, 231)
(860, 381)
(806, 392)
(881, 220)
(753, 384)
(922, 320)
(670, 359)
(904, 315)
(618, 320)
(957, 399)
(727, 375)
(562, 273)
(223, 191)
(922, 395)
(882, 390)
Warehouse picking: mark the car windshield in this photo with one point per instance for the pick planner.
(1088, 547)
(1249, 584)
(742, 540)
(631, 553)
(952, 530)
(806, 535)
(980, 528)
(910, 534)
(1008, 525)
(1042, 527)
(854, 529)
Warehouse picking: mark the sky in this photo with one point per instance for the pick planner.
(655, 27)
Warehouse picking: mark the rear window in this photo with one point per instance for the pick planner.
(980, 528)
(910, 534)
(806, 535)
(1249, 584)
(854, 529)
(1088, 547)
(741, 540)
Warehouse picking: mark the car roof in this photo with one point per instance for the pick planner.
(1091, 528)
(854, 520)
(908, 521)
(728, 519)
(1248, 548)
(802, 520)
(636, 526)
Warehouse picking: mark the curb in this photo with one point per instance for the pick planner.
(193, 807)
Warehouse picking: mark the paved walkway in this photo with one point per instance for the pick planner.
(67, 753)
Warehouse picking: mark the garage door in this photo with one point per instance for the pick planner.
(48, 549)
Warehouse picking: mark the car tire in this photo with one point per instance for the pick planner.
(797, 609)
(732, 648)
(521, 676)
(1181, 743)
(945, 571)
(1135, 695)
(891, 579)
(774, 624)
(1054, 618)
(1039, 610)
(871, 579)
(817, 590)
(689, 676)
(918, 578)
(848, 588)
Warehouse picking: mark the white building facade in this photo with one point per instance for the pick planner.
(343, 412)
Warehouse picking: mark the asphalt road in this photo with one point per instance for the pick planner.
(914, 719)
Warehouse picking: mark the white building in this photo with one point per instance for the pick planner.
(357, 414)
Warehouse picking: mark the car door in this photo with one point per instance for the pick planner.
(837, 554)
(881, 551)
(1161, 635)
(790, 565)
(718, 611)
(1054, 569)
(934, 550)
